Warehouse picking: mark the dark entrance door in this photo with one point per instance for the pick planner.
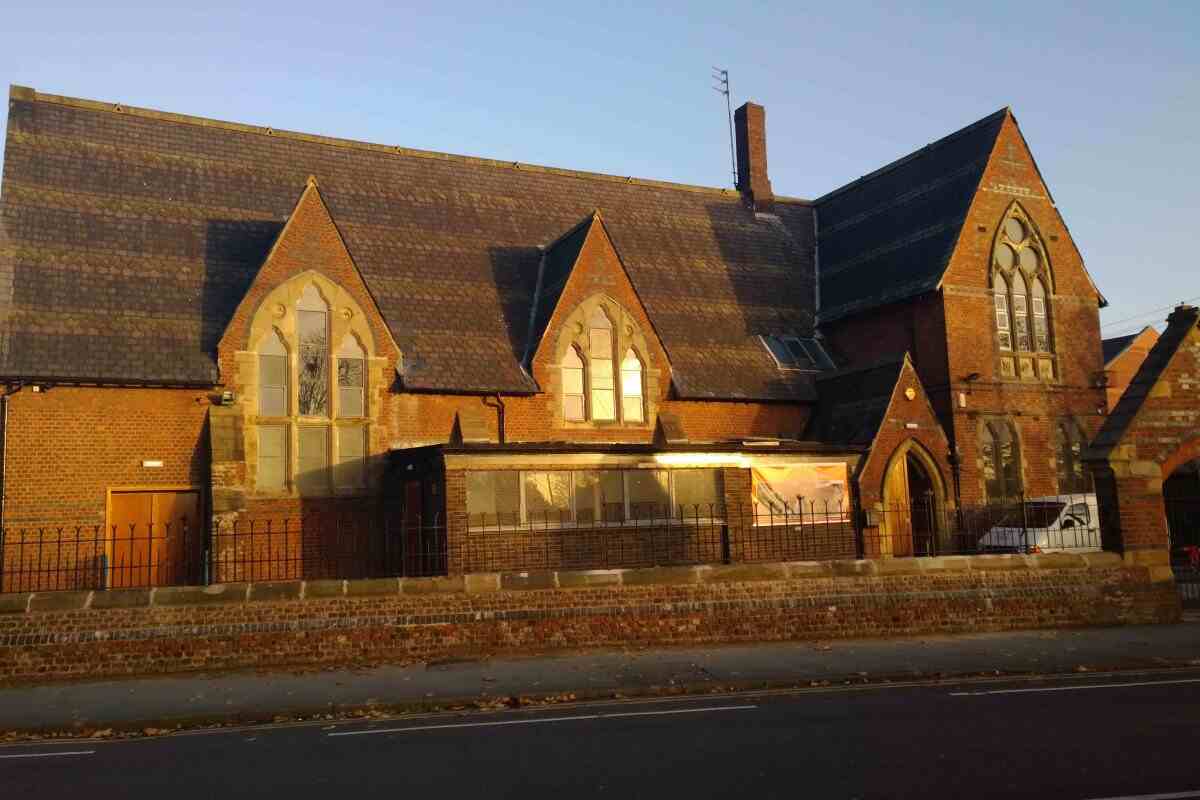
(920, 500)
(1181, 496)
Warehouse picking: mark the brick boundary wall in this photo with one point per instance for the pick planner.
(72, 635)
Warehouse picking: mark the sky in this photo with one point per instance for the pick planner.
(1107, 94)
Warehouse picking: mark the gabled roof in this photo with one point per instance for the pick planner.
(1181, 323)
(557, 263)
(134, 234)
(890, 234)
(852, 403)
(1117, 345)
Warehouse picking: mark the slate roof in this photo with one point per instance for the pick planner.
(889, 235)
(1182, 320)
(133, 234)
(852, 404)
(1119, 344)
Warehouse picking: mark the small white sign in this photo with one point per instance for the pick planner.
(912, 426)
(152, 464)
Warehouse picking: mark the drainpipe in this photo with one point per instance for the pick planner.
(3, 454)
(500, 418)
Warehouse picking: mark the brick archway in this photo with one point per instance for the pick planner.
(1188, 451)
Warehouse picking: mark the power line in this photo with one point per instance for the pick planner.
(1149, 313)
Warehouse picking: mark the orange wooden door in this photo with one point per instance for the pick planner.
(155, 538)
(176, 543)
(130, 556)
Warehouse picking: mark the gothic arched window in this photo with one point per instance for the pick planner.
(1021, 282)
(312, 426)
(1001, 457)
(1073, 476)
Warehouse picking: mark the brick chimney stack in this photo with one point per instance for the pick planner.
(750, 122)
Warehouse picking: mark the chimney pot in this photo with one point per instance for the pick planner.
(750, 122)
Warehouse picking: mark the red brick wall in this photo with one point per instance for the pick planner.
(176, 630)
(1122, 368)
(67, 446)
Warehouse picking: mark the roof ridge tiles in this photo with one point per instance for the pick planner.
(28, 94)
(913, 155)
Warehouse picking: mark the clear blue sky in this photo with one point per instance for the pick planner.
(1108, 94)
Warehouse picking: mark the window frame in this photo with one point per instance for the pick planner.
(332, 419)
(1031, 308)
(988, 437)
(627, 520)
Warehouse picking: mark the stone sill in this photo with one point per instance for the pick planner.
(485, 582)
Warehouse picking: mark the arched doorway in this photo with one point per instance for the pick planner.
(913, 520)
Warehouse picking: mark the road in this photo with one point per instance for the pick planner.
(1089, 736)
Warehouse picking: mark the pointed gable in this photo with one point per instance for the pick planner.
(889, 235)
(308, 243)
(1175, 358)
(581, 264)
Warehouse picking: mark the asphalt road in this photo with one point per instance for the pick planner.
(1091, 736)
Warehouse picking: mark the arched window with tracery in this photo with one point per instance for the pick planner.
(313, 402)
(604, 377)
(1022, 289)
(1001, 456)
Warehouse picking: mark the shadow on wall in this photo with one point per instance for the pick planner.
(234, 250)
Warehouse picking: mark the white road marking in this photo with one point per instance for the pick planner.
(538, 721)
(1168, 796)
(1077, 688)
(53, 755)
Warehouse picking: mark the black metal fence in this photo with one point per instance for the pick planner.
(1020, 525)
(373, 543)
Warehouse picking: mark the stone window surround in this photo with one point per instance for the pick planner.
(628, 335)
(1043, 274)
(981, 431)
(276, 316)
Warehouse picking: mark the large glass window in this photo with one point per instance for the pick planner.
(494, 497)
(1001, 461)
(592, 496)
(547, 496)
(599, 381)
(297, 446)
(1020, 277)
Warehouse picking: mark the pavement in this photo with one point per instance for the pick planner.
(200, 699)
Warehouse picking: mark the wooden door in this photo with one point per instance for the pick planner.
(155, 538)
(896, 527)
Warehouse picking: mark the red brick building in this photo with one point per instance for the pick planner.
(206, 319)
(1123, 356)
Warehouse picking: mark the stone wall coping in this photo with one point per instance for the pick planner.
(489, 582)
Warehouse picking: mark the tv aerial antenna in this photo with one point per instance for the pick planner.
(721, 76)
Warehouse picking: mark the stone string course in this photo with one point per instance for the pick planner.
(49, 636)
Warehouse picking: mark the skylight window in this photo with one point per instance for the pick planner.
(797, 352)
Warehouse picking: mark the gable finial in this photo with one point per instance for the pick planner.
(311, 180)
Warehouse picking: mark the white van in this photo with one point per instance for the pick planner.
(1047, 525)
